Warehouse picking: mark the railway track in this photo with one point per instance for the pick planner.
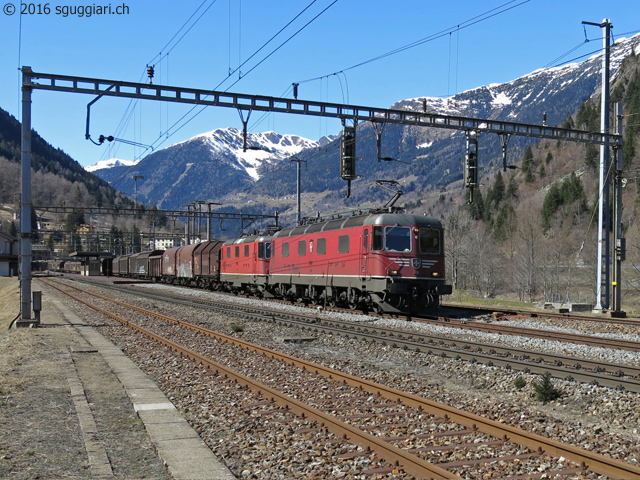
(501, 329)
(566, 367)
(500, 311)
(413, 435)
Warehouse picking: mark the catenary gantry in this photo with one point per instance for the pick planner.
(245, 102)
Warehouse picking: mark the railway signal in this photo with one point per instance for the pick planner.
(348, 155)
(471, 163)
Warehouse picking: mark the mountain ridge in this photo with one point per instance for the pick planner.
(425, 159)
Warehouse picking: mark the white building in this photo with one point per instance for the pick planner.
(165, 243)
(9, 251)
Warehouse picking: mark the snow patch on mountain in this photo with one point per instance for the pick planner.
(111, 163)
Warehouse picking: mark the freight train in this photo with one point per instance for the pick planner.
(381, 261)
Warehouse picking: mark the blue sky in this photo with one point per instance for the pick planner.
(480, 43)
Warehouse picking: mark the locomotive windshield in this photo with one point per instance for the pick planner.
(397, 239)
(429, 240)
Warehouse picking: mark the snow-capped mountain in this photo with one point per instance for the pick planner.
(205, 167)
(213, 165)
(262, 149)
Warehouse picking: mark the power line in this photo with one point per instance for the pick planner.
(128, 113)
(266, 43)
(185, 33)
(155, 144)
(467, 23)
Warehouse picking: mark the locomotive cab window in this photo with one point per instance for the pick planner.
(228, 252)
(397, 239)
(246, 250)
(264, 250)
(285, 249)
(377, 242)
(429, 240)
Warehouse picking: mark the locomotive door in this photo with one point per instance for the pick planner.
(364, 254)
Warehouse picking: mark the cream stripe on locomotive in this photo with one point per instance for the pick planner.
(407, 262)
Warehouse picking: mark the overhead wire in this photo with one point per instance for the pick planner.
(472, 21)
(552, 64)
(265, 43)
(127, 115)
(442, 33)
(202, 108)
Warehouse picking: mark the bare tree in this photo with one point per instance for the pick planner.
(457, 228)
(529, 234)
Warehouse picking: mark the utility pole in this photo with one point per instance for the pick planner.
(25, 205)
(603, 204)
(618, 239)
(298, 160)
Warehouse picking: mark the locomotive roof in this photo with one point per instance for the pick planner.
(247, 239)
(361, 220)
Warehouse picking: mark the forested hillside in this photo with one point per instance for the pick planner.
(57, 178)
(531, 233)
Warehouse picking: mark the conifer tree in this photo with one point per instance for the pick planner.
(527, 165)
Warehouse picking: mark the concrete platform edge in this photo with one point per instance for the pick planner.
(181, 449)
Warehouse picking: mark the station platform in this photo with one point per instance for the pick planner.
(178, 447)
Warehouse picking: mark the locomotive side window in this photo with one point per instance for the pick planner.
(261, 249)
(378, 237)
(343, 244)
(237, 251)
(397, 239)
(302, 248)
(228, 252)
(285, 249)
(322, 246)
(365, 240)
(246, 250)
(267, 250)
(429, 241)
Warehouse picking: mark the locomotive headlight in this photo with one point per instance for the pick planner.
(435, 274)
(393, 273)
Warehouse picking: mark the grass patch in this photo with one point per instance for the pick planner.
(464, 297)
(519, 383)
(9, 300)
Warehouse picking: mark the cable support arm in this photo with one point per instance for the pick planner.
(93, 86)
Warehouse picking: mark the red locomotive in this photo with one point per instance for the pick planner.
(382, 261)
(244, 264)
(388, 262)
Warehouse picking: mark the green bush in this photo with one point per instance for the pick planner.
(545, 391)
